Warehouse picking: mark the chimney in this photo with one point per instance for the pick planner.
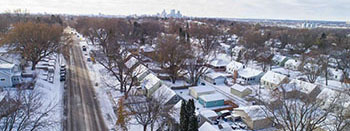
(235, 75)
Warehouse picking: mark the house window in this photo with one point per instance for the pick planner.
(2, 79)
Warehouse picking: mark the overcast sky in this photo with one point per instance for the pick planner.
(265, 9)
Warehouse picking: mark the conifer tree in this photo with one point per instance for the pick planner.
(183, 117)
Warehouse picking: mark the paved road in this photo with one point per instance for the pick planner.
(83, 112)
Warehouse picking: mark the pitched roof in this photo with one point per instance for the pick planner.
(300, 85)
(255, 112)
(207, 127)
(249, 72)
(150, 80)
(273, 77)
(164, 92)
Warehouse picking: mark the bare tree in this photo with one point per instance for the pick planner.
(171, 54)
(149, 111)
(206, 35)
(296, 112)
(34, 41)
(25, 110)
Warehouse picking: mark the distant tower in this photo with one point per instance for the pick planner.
(179, 15)
(164, 14)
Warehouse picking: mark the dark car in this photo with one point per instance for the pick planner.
(84, 48)
(62, 78)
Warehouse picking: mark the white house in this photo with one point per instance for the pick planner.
(141, 72)
(201, 90)
(10, 75)
(273, 80)
(166, 95)
(250, 75)
(292, 64)
(215, 78)
(234, 66)
(131, 62)
(299, 88)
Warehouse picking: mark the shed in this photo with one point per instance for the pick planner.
(201, 90)
(212, 100)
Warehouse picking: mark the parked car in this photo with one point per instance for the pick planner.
(63, 78)
(88, 59)
(84, 48)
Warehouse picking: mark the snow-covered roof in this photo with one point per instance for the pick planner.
(150, 80)
(6, 66)
(131, 62)
(300, 85)
(201, 89)
(208, 113)
(147, 48)
(249, 72)
(214, 75)
(330, 96)
(177, 110)
(139, 70)
(278, 58)
(218, 63)
(336, 72)
(255, 112)
(234, 65)
(273, 77)
(212, 97)
(164, 92)
(240, 88)
(207, 127)
(293, 62)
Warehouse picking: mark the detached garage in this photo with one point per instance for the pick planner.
(212, 100)
(201, 90)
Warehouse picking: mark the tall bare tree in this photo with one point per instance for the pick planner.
(34, 41)
(24, 110)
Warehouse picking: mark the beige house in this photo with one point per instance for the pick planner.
(240, 90)
(272, 80)
(197, 91)
(255, 117)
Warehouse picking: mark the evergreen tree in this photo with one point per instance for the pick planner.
(183, 117)
(193, 123)
(192, 119)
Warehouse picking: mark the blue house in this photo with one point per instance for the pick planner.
(212, 100)
(10, 75)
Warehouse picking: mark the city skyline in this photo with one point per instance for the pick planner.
(256, 9)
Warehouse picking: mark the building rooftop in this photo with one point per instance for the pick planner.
(273, 77)
(212, 97)
(249, 72)
(200, 89)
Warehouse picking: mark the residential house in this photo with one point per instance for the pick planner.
(255, 117)
(292, 64)
(234, 66)
(301, 89)
(141, 72)
(212, 100)
(150, 83)
(335, 74)
(131, 62)
(209, 116)
(250, 75)
(215, 78)
(240, 91)
(166, 95)
(201, 90)
(279, 60)
(272, 80)
(329, 97)
(10, 75)
(218, 64)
